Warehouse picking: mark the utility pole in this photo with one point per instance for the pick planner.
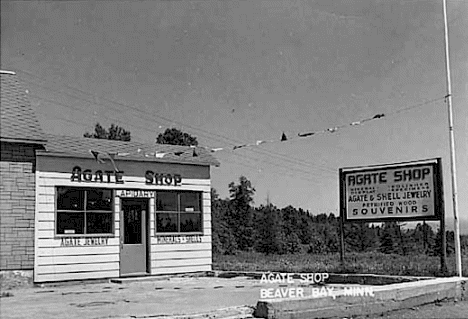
(452, 146)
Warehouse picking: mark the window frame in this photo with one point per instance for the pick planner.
(178, 233)
(84, 211)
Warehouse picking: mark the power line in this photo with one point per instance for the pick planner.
(289, 159)
(239, 155)
(208, 133)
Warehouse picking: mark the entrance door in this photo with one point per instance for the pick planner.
(133, 237)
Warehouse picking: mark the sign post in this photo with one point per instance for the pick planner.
(407, 191)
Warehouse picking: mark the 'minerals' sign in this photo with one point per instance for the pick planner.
(410, 191)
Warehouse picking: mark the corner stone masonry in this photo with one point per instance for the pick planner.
(17, 205)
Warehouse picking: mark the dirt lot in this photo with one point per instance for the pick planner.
(446, 310)
(178, 297)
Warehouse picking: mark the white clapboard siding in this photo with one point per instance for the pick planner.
(46, 216)
(76, 276)
(180, 247)
(75, 251)
(180, 270)
(46, 190)
(80, 259)
(89, 267)
(187, 181)
(56, 263)
(155, 263)
(171, 255)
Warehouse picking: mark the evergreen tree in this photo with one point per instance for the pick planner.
(241, 217)
(115, 132)
(223, 239)
(269, 230)
(175, 136)
(389, 238)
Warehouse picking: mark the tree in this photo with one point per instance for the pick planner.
(223, 241)
(241, 217)
(175, 136)
(115, 132)
(269, 236)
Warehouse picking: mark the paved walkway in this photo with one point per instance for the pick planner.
(169, 297)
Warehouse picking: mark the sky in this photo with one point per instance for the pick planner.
(234, 72)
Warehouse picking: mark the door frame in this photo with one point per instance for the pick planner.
(146, 236)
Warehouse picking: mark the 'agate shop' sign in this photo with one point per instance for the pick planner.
(411, 191)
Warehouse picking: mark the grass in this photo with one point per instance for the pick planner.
(362, 263)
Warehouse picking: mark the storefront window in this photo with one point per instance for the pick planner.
(178, 212)
(84, 211)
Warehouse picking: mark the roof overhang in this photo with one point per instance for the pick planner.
(23, 141)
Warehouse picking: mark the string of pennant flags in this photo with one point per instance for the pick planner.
(284, 138)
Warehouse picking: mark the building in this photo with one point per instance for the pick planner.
(106, 209)
(20, 137)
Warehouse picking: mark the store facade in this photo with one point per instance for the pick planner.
(134, 215)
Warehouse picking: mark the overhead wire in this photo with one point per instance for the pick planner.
(238, 155)
(333, 129)
(283, 157)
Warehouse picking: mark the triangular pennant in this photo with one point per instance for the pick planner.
(195, 154)
(238, 146)
(96, 157)
(305, 134)
(284, 137)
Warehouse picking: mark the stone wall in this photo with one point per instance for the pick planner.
(17, 205)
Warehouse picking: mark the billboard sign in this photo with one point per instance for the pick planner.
(409, 191)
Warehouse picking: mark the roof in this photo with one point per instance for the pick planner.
(18, 122)
(82, 146)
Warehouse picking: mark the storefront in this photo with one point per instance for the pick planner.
(134, 215)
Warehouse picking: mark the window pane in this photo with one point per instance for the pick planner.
(70, 223)
(190, 202)
(166, 201)
(99, 199)
(132, 225)
(166, 222)
(99, 223)
(190, 222)
(70, 198)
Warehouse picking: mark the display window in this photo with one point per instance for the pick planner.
(84, 211)
(178, 212)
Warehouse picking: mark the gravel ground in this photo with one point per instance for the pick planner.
(442, 310)
(15, 279)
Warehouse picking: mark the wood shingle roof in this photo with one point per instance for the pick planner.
(82, 146)
(18, 122)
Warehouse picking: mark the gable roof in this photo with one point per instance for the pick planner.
(18, 122)
(82, 146)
